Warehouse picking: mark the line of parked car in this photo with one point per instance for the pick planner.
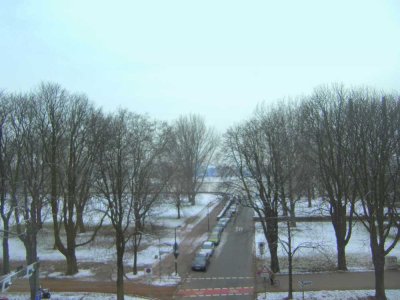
(203, 255)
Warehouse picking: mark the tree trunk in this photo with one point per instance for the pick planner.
(31, 257)
(72, 264)
(341, 254)
(6, 249)
(120, 266)
(272, 239)
(39, 221)
(79, 219)
(309, 197)
(339, 225)
(135, 251)
(285, 210)
(290, 261)
(378, 258)
(179, 210)
(292, 213)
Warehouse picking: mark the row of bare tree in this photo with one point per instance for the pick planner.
(343, 143)
(59, 154)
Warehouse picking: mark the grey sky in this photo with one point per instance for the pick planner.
(215, 58)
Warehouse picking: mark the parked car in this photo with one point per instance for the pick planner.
(200, 261)
(224, 221)
(218, 228)
(202, 252)
(214, 237)
(209, 247)
(233, 209)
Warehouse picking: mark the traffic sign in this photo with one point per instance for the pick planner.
(303, 283)
(264, 272)
(6, 284)
(261, 246)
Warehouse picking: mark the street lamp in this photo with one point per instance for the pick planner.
(208, 216)
(176, 252)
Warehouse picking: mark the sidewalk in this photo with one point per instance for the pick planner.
(332, 281)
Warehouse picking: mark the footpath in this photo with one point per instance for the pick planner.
(331, 281)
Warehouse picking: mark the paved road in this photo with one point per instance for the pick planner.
(230, 274)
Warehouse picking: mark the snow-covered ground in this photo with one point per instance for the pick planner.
(318, 239)
(73, 296)
(103, 249)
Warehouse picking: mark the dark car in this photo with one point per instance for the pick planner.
(200, 262)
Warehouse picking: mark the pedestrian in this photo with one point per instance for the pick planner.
(272, 277)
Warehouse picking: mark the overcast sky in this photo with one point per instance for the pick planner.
(215, 58)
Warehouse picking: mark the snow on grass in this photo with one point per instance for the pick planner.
(166, 214)
(103, 248)
(330, 295)
(81, 274)
(321, 236)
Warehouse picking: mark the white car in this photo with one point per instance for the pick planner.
(208, 247)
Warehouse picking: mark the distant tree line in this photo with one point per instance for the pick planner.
(340, 144)
(59, 154)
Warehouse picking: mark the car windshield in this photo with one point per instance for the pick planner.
(202, 254)
(199, 260)
(207, 246)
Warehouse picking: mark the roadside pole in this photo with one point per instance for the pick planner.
(303, 283)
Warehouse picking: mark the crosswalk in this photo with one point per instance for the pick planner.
(216, 292)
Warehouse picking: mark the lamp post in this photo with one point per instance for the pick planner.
(208, 216)
(176, 252)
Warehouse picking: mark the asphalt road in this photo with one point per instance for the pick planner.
(230, 274)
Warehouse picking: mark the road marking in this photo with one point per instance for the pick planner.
(219, 278)
(239, 229)
(216, 292)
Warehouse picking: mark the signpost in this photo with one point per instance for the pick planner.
(264, 272)
(148, 272)
(261, 247)
(303, 283)
(6, 282)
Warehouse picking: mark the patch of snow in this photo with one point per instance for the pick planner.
(72, 296)
(321, 235)
(81, 274)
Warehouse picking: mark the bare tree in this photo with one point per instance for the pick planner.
(129, 178)
(147, 177)
(195, 147)
(76, 166)
(246, 150)
(328, 122)
(376, 168)
(64, 129)
(30, 196)
(113, 183)
(7, 154)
